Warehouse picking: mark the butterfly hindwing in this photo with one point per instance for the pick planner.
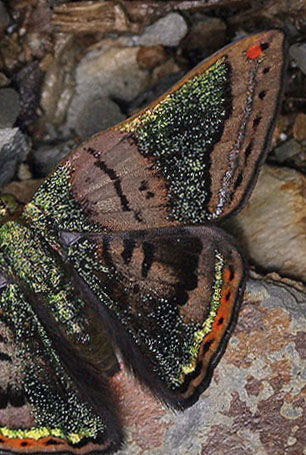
(52, 399)
(168, 298)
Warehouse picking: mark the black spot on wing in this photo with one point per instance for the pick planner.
(238, 181)
(262, 94)
(143, 185)
(207, 346)
(127, 253)
(148, 250)
(4, 357)
(111, 173)
(3, 398)
(248, 150)
(257, 121)
(150, 194)
(16, 397)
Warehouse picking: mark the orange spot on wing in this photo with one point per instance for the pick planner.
(228, 274)
(254, 51)
(28, 443)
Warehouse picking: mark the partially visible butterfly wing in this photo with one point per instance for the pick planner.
(168, 298)
(189, 157)
(44, 409)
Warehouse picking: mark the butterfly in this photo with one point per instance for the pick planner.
(119, 254)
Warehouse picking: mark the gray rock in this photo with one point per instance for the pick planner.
(168, 31)
(13, 148)
(287, 150)
(101, 78)
(48, 156)
(101, 113)
(9, 107)
(255, 403)
(4, 81)
(4, 17)
(298, 53)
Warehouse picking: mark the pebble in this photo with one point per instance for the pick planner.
(299, 128)
(4, 81)
(168, 31)
(298, 53)
(105, 79)
(13, 148)
(205, 37)
(148, 57)
(46, 157)
(4, 18)
(271, 227)
(9, 107)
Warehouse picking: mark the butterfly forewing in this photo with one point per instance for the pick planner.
(193, 155)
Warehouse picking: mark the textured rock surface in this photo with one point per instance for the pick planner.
(101, 77)
(167, 31)
(272, 226)
(4, 17)
(46, 157)
(298, 53)
(9, 107)
(255, 404)
(23, 191)
(13, 147)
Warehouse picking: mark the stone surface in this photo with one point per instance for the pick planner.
(97, 114)
(58, 85)
(4, 81)
(255, 404)
(29, 80)
(4, 18)
(101, 78)
(9, 107)
(205, 37)
(168, 31)
(23, 191)
(46, 157)
(290, 153)
(148, 57)
(13, 147)
(272, 226)
(298, 53)
(299, 128)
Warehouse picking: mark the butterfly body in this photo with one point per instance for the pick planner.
(118, 250)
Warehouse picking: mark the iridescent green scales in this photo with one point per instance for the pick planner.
(45, 277)
(56, 414)
(180, 133)
(54, 209)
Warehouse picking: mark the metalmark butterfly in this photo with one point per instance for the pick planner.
(119, 251)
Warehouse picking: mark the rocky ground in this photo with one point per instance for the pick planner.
(71, 69)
